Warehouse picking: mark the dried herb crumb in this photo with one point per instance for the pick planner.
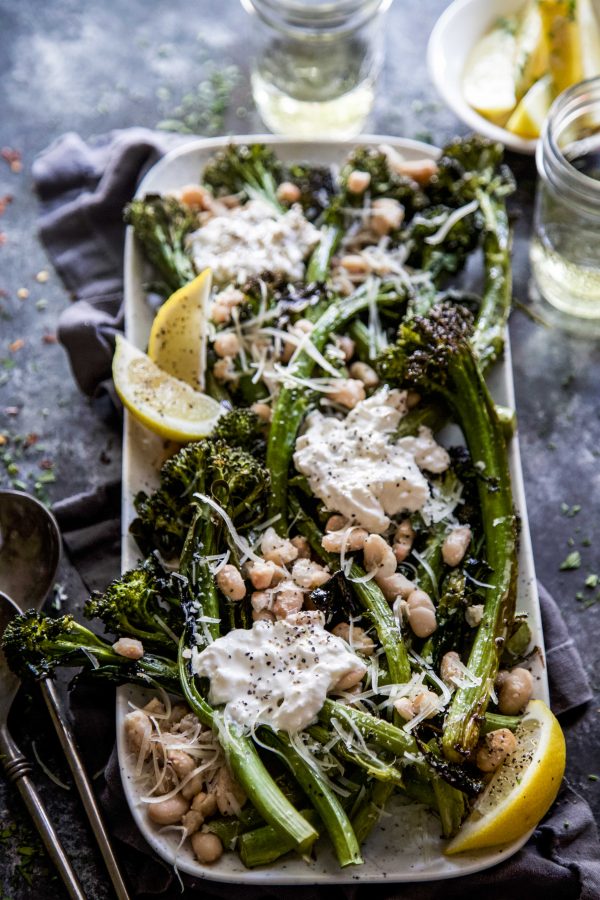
(571, 561)
(592, 580)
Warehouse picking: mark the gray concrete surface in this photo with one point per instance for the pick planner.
(97, 66)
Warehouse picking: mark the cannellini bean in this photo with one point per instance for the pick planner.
(192, 821)
(348, 392)
(350, 679)
(261, 600)
(288, 599)
(262, 615)
(355, 264)
(263, 411)
(420, 170)
(346, 345)
(181, 762)
(361, 642)
(287, 192)
(474, 615)
(130, 648)
(413, 398)
(379, 556)
(336, 523)
(456, 544)
(207, 847)
(358, 181)
(404, 707)
(386, 215)
(515, 692)
(427, 703)
(396, 585)
(154, 707)
(450, 668)
(352, 538)
(220, 314)
(421, 613)
(309, 575)
(364, 373)
(178, 711)
(403, 540)
(230, 297)
(168, 812)
(193, 788)
(497, 745)
(138, 729)
(261, 574)
(205, 803)
(302, 546)
(224, 370)
(226, 344)
(279, 550)
(196, 197)
(231, 583)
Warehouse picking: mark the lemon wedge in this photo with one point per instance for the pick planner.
(531, 59)
(489, 75)
(522, 791)
(165, 405)
(589, 36)
(562, 32)
(528, 117)
(177, 341)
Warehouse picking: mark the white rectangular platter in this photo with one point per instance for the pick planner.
(406, 846)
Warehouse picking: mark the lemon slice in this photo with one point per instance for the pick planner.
(589, 36)
(489, 75)
(531, 59)
(165, 405)
(178, 338)
(528, 118)
(522, 790)
(561, 29)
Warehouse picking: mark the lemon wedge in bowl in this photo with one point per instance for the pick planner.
(489, 83)
(522, 790)
(528, 118)
(164, 404)
(177, 341)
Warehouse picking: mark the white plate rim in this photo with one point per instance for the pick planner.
(456, 866)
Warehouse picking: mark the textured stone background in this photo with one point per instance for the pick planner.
(97, 66)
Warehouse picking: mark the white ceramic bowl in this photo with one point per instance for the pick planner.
(454, 35)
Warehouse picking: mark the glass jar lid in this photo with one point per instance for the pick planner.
(316, 16)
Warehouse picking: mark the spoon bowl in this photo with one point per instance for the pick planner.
(9, 683)
(29, 549)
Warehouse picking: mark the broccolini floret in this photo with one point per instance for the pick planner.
(161, 225)
(251, 170)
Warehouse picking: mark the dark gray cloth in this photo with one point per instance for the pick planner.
(83, 188)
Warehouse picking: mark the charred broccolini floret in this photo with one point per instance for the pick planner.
(250, 170)
(35, 645)
(434, 354)
(161, 225)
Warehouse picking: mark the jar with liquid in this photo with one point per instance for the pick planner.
(316, 64)
(565, 250)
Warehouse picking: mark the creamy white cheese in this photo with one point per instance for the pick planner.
(252, 239)
(353, 467)
(276, 673)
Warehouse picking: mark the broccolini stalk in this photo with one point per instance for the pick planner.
(434, 354)
(374, 767)
(161, 225)
(291, 404)
(450, 802)
(369, 810)
(265, 845)
(319, 793)
(370, 596)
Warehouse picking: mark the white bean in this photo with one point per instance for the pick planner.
(456, 544)
(224, 371)
(421, 613)
(231, 583)
(220, 314)
(309, 575)
(279, 550)
(288, 599)
(205, 803)
(352, 539)
(261, 574)
(347, 392)
(288, 192)
(386, 215)
(364, 373)
(379, 556)
(350, 679)
(404, 707)
(207, 847)
(130, 648)
(168, 812)
(496, 747)
(346, 345)
(263, 411)
(449, 670)
(515, 692)
(403, 540)
(361, 642)
(358, 181)
(336, 523)
(138, 729)
(192, 821)
(426, 703)
(302, 546)
(193, 787)
(226, 344)
(181, 762)
(396, 585)
(355, 264)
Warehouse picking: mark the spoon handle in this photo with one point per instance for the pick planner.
(18, 770)
(70, 749)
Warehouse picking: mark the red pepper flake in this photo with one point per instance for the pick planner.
(46, 464)
(16, 345)
(2, 238)
(4, 201)
(49, 338)
(13, 158)
(31, 439)
(12, 410)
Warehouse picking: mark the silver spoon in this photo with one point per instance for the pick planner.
(18, 768)
(29, 555)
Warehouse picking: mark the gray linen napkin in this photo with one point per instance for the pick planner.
(83, 188)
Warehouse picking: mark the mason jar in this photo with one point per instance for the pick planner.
(316, 63)
(565, 250)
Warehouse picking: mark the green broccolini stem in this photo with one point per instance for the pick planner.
(265, 845)
(369, 811)
(450, 801)
(382, 733)
(374, 767)
(488, 336)
(320, 794)
(318, 264)
(493, 721)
